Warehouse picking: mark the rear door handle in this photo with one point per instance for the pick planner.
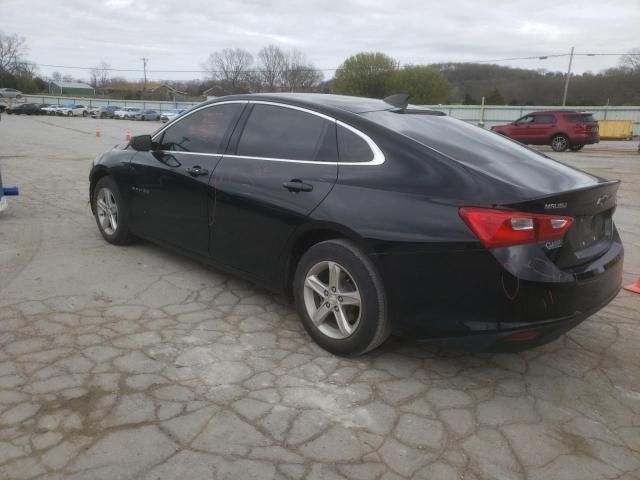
(197, 171)
(297, 185)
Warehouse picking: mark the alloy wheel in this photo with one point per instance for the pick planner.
(332, 299)
(107, 210)
(559, 143)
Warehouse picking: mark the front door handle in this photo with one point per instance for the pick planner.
(197, 171)
(297, 185)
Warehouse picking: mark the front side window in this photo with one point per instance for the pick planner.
(525, 120)
(285, 133)
(202, 131)
(352, 147)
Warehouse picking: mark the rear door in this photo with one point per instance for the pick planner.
(280, 167)
(541, 128)
(169, 186)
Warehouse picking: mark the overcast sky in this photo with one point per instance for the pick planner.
(179, 34)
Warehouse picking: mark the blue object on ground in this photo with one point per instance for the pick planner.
(11, 191)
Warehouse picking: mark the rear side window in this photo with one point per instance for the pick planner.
(545, 119)
(352, 147)
(202, 131)
(285, 133)
(580, 118)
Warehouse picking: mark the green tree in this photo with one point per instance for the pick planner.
(425, 85)
(494, 98)
(365, 74)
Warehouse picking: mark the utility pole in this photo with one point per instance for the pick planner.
(566, 81)
(144, 63)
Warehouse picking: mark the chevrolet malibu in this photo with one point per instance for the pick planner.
(374, 216)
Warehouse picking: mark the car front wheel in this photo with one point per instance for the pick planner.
(110, 212)
(340, 297)
(559, 143)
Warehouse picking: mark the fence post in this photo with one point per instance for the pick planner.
(481, 122)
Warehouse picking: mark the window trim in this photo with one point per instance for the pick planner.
(378, 156)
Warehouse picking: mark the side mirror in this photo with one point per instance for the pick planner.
(141, 143)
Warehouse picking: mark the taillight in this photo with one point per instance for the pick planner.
(502, 228)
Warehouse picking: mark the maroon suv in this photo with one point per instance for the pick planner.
(561, 129)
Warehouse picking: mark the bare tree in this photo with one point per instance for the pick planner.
(231, 67)
(56, 76)
(272, 67)
(100, 75)
(631, 60)
(300, 74)
(12, 50)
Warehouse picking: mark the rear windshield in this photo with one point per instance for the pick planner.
(579, 118)
(485, 151)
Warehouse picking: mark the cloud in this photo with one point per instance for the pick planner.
(179, 35)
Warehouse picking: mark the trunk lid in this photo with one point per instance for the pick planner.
(592, 230)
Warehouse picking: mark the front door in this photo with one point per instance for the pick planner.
(171, 197)
(283, 165)
(521, 129)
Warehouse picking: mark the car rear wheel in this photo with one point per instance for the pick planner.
(576, 148)
(559, 143)
(110, 213)
(85, 113)
(69, 114)
(340, 297)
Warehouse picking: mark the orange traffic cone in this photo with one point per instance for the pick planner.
(633, 287)
(127, 135)
(97, 131)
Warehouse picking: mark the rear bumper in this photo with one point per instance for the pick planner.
(521, 338)
(474, 299)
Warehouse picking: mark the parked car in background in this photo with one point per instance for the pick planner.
(147, 115)
(561, 129)
(374, 216)
(171, 114)
(73, 111)
(10, 93)
(50, 109)
(25, 108)
(104, 112)
(127, 112)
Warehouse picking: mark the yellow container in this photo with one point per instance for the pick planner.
(616, 129)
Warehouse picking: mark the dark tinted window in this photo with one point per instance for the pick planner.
(280, 132)
(525, 120)
(202, 131)
(487, 152)
(579, 118)
(545, 119)
(352, 147)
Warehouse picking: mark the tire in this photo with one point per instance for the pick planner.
(362, 305)
(102, 115)
(106, 188)
(576, 148)
(85, 114)
(70, 114)
(559, 142)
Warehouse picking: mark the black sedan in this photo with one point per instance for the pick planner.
(25, 109)
(376, 217)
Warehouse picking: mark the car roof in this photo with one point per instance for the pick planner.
(559, 111)
(319, 101)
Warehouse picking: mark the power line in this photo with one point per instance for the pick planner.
(495, 60)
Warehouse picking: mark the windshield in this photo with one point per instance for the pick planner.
(485, 151)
